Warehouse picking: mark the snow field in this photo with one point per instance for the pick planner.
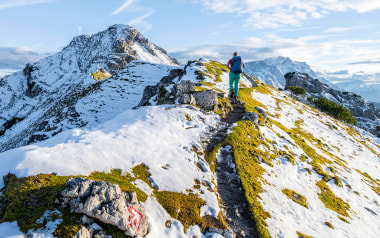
(288, 217)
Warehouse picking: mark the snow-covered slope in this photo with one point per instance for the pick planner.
(366, 114)
(89, 81)
(303, 172)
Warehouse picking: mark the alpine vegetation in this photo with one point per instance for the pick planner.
(113, 138)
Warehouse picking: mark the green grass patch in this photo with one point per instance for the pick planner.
(186, 209)
(214, 70)
(343, 219)
(331, 201)
(26, 199)
(302, 139)
(329, 224)
(245, 139)
(245, 94)
(70, 225)
(210, 157)
(300, 235)
(264, 89)
(375, 185)
(124, 181)
(223, 107)
(296, 197)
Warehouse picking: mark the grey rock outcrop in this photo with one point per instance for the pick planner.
(253, 117)
(105, 202)
(171, 89)
(92, 231)
(262, 112)
(83, 233)
(367, 115)
(206, 99)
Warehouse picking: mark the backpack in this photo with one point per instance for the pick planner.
(236, 65)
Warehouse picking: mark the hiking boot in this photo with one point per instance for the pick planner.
(237, 101)
(231, 94)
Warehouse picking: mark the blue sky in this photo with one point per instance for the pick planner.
(333, 35)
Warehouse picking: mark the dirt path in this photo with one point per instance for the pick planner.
(233, 202)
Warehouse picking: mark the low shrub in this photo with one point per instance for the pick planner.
(336, 110)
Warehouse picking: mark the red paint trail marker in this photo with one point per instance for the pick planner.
(135, 218)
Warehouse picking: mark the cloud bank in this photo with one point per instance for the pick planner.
(279, 13)
(17, 58)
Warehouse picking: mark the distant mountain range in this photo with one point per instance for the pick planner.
(272, 71)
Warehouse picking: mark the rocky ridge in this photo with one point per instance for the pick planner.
(366, 113)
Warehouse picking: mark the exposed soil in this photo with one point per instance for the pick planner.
(234, 205)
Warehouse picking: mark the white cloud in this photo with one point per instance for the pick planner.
(316, 50)
(338, 29)
(280, 13)
(19, 3)
(123, 7)
(140, 23)
(219, 6)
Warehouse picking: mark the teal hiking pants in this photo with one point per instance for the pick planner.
(234, 81)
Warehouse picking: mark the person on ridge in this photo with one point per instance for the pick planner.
(236, 66)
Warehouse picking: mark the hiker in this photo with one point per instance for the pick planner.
(236, 66)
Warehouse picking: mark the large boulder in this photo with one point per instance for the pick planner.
(105, 202)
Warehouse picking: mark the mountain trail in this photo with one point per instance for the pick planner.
(234, 205)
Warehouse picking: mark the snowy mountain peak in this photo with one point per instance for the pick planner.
(115, 47)
(42, 100)
(272, 70)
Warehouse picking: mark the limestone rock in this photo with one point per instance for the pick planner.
(206, 99)
(262, 112)
(105, 202)
(184, 87)
(82, 233)
(184, 91)
(187, 99)
(253, 117)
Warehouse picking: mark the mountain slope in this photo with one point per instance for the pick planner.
(303, 172)
(366, 114)
(67, 90)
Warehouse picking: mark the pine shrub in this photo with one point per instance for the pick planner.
(335, 109)
(297, 90)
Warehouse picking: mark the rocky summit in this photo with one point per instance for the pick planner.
(112, 138)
